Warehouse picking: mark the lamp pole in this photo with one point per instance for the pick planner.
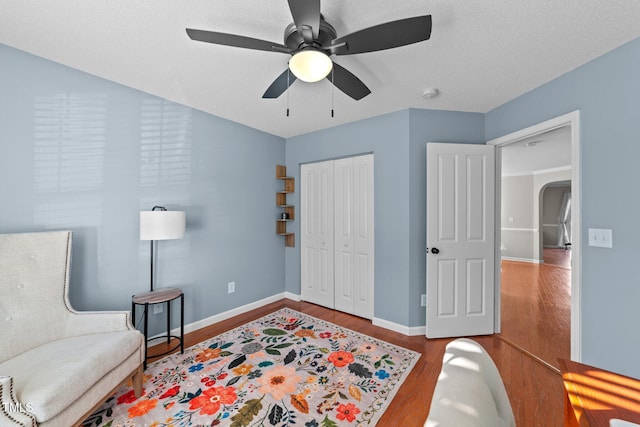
(160, 208)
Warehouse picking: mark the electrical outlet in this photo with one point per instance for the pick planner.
(157, 308)
(423, 300)
(231, 287)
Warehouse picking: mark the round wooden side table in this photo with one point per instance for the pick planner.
(160, 296)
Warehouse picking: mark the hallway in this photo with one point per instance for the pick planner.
(536, 305)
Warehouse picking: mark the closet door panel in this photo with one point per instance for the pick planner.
(363, 242)
(317, 242)
(343, 185)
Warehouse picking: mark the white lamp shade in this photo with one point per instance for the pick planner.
(162, 225)
(310, 65)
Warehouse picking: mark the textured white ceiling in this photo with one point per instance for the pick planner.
(480, 55)
(549, 150)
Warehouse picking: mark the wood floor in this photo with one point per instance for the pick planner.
(534, 390)
(557, 257)
(536, 305)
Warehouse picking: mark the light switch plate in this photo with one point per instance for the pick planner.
(599, 237)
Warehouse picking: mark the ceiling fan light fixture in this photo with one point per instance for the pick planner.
(310, 65)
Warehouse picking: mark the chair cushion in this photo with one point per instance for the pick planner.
(53, 376)
(462, 398)
(469, 391)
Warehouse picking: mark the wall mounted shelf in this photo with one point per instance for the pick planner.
(287, 211)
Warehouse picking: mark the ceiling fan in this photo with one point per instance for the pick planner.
(311, 40)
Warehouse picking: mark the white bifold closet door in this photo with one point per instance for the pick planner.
(316, 233)
(337, 255)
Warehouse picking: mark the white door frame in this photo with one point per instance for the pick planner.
(573, 120)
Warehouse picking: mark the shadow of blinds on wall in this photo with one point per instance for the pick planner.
(165, 143)
(68, 158)
(70, 136)
(165, 177)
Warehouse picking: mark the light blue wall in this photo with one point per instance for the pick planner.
(607, 93)
(81, 153)
(398, 143)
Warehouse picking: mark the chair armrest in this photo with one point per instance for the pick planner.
(92, 322)
(13, 412)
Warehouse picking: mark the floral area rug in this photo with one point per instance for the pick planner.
(284, 369)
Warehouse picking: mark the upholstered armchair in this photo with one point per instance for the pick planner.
(469, 391)
(56, 364)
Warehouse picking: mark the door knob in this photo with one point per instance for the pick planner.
(435, 251)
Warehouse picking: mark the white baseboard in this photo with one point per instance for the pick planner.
(533, 261)
(231, 313)
(401, 329)
(293, 297)
(404, 330)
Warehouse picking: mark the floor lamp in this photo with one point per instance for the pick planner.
(161, 224)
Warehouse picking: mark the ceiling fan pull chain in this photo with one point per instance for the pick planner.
(332, 86)
(288, 74)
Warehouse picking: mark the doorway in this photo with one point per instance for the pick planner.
(508, 242)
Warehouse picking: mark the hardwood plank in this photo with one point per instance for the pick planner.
(534, 390)
(557, 256)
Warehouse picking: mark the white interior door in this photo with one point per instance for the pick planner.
(460, 239)
(354, 245)
(317, 233)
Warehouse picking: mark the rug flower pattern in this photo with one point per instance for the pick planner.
(285, 369)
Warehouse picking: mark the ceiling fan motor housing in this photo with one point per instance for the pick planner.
(294, 41)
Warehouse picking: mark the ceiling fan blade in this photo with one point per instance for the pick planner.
(384, 36)
(280, 85)
(344, 80)
(306, 13)
(236, 41)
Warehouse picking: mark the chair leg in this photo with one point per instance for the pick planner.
(137, 381)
